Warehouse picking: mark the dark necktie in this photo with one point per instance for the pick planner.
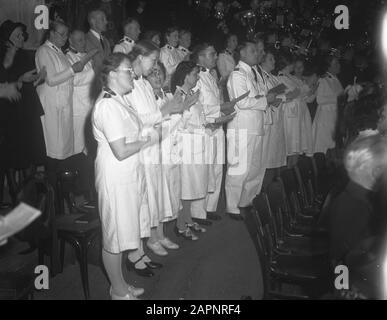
(260, 71)
(255, 75)
(102, 44)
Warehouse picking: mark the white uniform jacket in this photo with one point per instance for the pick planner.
(56, 96)
(250, 111)
(125, 45)
(82, 103)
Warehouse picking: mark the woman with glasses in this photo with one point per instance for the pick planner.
(143, 57)
(56, 96)
(171, 188)
(120, 179)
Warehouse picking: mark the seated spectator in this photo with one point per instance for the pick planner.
(352, 213)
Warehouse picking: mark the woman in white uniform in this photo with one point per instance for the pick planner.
(120, 178)
(82, 103)
(169, 54)
(274, 139)
(292, 117)
(306, 97)
(194, 170)
(56, 96)
(328, 91)
(171, 188)
(144, 57)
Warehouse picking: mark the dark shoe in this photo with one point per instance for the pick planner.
(186, 234)
(146, 272)
(203, 222)
(196, 227)
(236, 217)
(153, 265)
(213, 216)
(91, 205)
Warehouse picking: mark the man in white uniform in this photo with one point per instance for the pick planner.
(210, 98)
(132, 32)
(242, 187)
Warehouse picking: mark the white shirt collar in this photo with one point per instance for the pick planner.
(245, 66)
(96, 34)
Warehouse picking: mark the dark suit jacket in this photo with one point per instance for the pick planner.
(351, 217)
(92, 42)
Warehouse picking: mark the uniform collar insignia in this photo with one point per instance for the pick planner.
(127, 39)
(108, 92)
(203, 69)
(73, 50)
(53, 46)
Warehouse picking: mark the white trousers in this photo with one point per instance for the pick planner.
(242, 187)
(217, 146)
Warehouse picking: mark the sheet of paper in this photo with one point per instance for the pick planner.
(17, 220)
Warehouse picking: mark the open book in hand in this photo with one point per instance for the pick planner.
(17, 220)
(278, 90)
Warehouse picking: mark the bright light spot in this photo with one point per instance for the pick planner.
(384, 35)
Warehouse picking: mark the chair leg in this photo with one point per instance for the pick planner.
(62, 254)
(81, 252)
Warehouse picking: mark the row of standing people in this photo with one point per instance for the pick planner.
(190, 186)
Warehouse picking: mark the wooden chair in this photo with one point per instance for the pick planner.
(79, 234)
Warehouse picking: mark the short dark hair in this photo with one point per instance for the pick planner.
(150, 34)
(285, 58)
(128, 21)
(169, 31)
(198, 50)
(110, 63)
(143, 48)
(242, 46)
(182, 70)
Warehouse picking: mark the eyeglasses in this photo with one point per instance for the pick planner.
(127, 70)
(156, 73)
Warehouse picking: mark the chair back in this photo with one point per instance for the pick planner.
(256, 232)
(306, 179)
(37, 192)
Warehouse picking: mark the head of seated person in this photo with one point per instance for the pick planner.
(366, 160)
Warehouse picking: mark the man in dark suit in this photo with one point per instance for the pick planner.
(353, 217)
(95, 39)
